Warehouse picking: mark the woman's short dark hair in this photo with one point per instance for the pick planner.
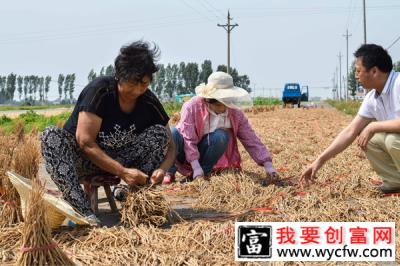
(374, 55)
(211, 101)
(135, 61)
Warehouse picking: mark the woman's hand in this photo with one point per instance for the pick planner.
(134, 176)
(157, 176)
(272, 178)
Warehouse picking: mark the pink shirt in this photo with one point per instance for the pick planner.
(195, 114)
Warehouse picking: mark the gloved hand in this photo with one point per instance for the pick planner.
(269, 169)
(272, 175)
(197, 170)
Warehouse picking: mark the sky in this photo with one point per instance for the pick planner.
(276, 42)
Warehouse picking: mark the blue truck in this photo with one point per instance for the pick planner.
(292, 94)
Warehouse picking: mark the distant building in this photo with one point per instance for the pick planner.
(360, 93)
(315, 98)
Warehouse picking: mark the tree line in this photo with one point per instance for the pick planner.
(66, 87)
(29, 88)
(182, 78)
(33, 89)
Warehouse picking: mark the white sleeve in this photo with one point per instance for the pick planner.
(396, 96)
(366, 107)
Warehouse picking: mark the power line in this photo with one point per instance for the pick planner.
(90, 33)
(341, 8)
(217, 10)
(347, 35)
(195, 10)
(208, 9)
(393, 43)
(351, 13)
(340, 75)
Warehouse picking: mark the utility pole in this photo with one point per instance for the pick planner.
(340, 76)
(228, 27)
(337, 84)
(347, 35)
(333, 86)
(365, 23)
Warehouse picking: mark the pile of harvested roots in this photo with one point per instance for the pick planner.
(145, 206)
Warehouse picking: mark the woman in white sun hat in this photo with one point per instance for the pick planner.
(206, 135)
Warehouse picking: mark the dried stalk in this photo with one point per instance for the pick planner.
(10, 213)
(10, 240)
(27, 158)
(38, 248)
(145, 206)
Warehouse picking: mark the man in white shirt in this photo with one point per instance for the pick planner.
(377, 123)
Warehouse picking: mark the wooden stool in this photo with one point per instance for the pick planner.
(91, 185)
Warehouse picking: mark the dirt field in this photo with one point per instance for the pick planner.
(46, 112)
(344, 192)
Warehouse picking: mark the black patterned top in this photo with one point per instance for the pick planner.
(100, 97)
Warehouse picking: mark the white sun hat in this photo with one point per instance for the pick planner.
(57, 208)
(220, 87)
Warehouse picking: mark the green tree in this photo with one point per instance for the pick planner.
(110, 70)
(169, 86)
(47, 86)
(175, 77)
(206, 70)
(20, 81)
(66, 85)
(2, 90)
(352, 82)
(11, 86)
(222, 68)
(41, 88)
(396, 66)
(102, 72)
(26, 87)
(31, 86)
(244, 82)
(71, 87)
(35, 81)
(181, 87)
(159, 80)
(191, 76)
(91, 76)
(61, 80)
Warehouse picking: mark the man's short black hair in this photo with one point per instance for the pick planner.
(373, 55)
(135, 61)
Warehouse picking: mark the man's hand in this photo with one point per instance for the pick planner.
(134, 176)
(157, 176)
(366, 134)
(310, 174)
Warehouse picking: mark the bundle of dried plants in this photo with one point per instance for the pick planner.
(27, 158)
(145, 206)
(38, 247)
(10, 240)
